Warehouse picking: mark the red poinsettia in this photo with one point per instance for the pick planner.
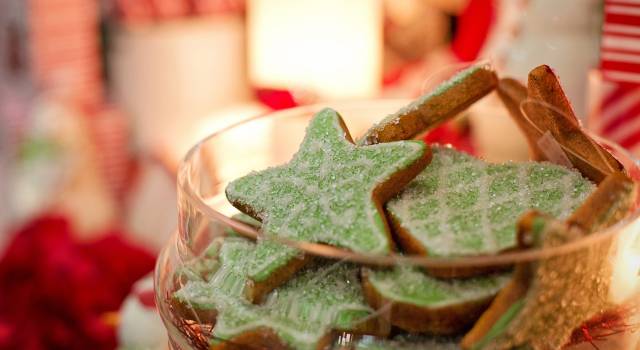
(55, 292)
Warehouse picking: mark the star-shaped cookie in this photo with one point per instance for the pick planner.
(331, 192)
(298, 315)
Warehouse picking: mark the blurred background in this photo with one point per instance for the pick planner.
(99, 101)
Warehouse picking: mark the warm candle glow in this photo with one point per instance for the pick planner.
(625, 281)
(331, 47)
(210, 123)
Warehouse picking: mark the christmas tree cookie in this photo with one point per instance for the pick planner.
(460, 205)
(547, 299)
(332, 192)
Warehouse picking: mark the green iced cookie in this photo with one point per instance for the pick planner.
(460, 205)
(300, 313)
(444, 102)
(245, 219)
(330, 192)
(421, 303)
(407, 342)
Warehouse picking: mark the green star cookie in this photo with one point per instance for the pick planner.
(330, 192)
(421, 303)
(299, 314)
(460, 205)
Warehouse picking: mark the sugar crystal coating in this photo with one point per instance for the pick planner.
(394, 118)
(300, 312)
(412, 286)
(324, 194)
(407, 342)
(460, 205)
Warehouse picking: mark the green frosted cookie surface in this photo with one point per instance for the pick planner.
(300, 312)
(461, 205)
(407, 342)
(415, 105)
(412, 286)
(245, 219)
(324, 194)
(225, 285)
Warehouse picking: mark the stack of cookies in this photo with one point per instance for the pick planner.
(388, 194)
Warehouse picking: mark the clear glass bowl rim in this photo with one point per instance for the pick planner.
(323, 250)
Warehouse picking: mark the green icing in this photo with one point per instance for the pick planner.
(245, 219)
(501, 325)
(202, 266)
(324, 194)
(410, 285)
(407, 342)
(439, 90)
(461, 205)
(300, 312)
(225, 285)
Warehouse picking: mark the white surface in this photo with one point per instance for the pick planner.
(564, 35)
(151, 209)
(168, 75)
(495, 135)
(141, 328)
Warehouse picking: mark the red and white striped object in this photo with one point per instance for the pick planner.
(619, 115)
(109, 129)
(65, 48)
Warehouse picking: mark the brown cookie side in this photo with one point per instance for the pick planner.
(257, 339)
(376, 325)
(431, 110)
(384, 191)
(448, 320)
(186, 311)
(257, 290)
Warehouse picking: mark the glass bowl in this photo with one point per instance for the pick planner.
(272, 139)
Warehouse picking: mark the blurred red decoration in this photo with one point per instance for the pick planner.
(474, 24)
(458, 136)
(57, 292)
(276, 99)
(604, 325)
